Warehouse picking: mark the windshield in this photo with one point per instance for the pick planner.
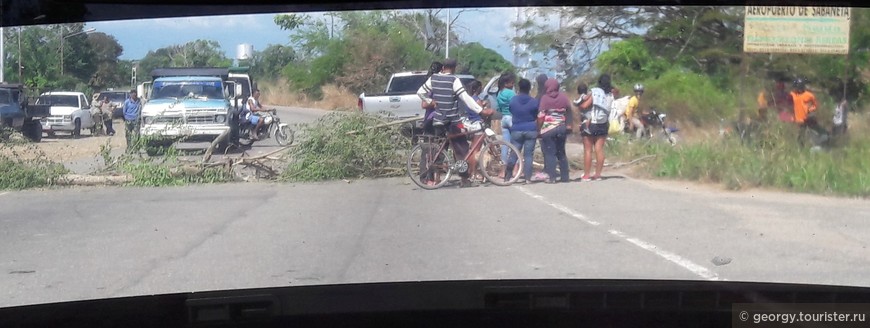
(7, 96)
(704, 143)
(58, 100)
(115, 97)
(190, 89)
(410, 84)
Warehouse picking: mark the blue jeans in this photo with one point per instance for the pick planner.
(506, 123)
(525, 142)
(553, 147)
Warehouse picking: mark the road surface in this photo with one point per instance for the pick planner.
(85, 243)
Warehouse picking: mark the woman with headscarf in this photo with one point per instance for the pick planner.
(553, 111)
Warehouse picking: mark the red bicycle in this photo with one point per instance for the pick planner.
(431, 164)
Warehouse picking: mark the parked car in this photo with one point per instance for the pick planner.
(70, 112)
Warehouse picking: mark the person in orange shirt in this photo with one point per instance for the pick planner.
(805, 106)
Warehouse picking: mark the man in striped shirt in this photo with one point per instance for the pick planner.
(446, 90)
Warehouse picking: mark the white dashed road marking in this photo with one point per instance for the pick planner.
(669, 256)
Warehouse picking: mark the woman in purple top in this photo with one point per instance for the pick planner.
(552, 129)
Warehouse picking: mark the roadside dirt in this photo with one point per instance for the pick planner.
(63, 148)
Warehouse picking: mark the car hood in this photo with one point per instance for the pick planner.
(177, 107)
(62, 110)
(332, 305)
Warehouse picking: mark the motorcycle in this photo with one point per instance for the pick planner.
(655, 119)
(272, 127)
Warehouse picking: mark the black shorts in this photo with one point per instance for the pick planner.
(595, 130)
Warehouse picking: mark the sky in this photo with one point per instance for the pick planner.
(139, 36)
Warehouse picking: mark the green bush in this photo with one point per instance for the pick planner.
(329, 152)
(773, 159)
(18, 174)
(689, 96)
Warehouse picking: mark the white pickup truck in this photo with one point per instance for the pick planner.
(70, 112)
(400, 99)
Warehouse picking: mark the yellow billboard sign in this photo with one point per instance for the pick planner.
(802, 30)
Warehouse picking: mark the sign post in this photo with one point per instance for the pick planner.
(797, 30)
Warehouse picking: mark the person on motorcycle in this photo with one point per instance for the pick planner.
(252, 106)
(805, 106)
(446, 92)
(632, 115)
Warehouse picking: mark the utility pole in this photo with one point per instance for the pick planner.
(63, 37)
(516, 35)
(447, 47)
(2, 55)
(20, 68)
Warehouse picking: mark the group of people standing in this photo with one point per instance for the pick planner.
(525, 122)
(546, 119)
(131, 110)
(799, 106)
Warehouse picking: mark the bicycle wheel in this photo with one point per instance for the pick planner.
(428, 167)
(491, 164)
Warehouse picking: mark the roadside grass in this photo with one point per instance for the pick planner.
(165, 170)
(772, 159)
(23, 165)
(331, 152)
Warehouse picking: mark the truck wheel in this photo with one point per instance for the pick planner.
(77, 129)
(155, 149)
(33, 131)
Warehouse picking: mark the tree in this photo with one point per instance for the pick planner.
(630, 60)
(40, 57)
(269, 62)
(106, 50)
(480, 61)
(571, 46)
(430, 28)
(367, 48)
(198, 53)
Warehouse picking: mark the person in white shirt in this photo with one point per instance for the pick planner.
(252, 106)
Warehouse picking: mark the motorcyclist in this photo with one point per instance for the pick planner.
(632, 115)
(252, 107)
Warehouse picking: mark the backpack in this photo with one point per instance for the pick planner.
(601, 106)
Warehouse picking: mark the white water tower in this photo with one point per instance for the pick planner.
(245, 51)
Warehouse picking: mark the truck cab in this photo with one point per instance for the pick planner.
(240, 76)
(18, 114)
(187, 104)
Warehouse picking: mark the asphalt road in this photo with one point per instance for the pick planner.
(84, 243)
(289, 115)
